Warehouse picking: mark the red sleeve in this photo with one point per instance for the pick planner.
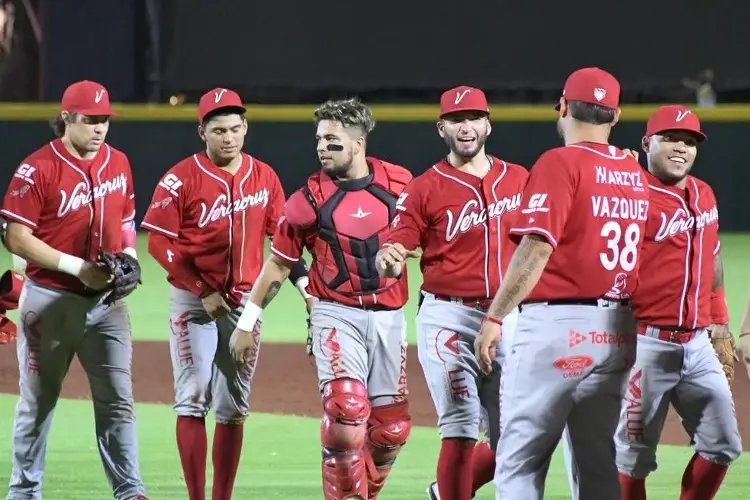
(410, 221)
(164, 215)
(129, 213)
(163, 250)
(276, 209)
(288, 242)
(548, 198)
(719, 309)
(24, 198)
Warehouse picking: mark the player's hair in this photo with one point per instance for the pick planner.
(349, 112)
(230, 110)
(59, 124)
(591, 113)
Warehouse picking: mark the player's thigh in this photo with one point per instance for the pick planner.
(386, 342)
(704, 402)
(339, 342)
(232, 381)
(193, 342)
(645, 403)
(49, 327)
(106, 353)
(445, 346)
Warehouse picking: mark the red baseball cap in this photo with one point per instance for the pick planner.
(463, 98)
(594, 86)
(219, 98)
(87, 98)
(674, 117)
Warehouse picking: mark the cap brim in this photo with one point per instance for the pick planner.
(697, 133)
(238, 109)
(464, 110)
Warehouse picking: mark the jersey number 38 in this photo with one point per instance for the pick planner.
(622, 246)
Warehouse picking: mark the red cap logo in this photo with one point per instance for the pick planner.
(87, 98)
(674, 117)
(463, 98)
(219, 98)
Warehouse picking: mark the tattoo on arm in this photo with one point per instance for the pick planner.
(718, 281)
(523, 273)
(273, 289)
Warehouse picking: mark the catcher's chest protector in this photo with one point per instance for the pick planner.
(353, 219)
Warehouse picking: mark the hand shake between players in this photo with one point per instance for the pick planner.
(391, 259)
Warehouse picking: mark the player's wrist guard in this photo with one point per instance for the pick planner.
(301, 285)
(70, 264)
(250, 315)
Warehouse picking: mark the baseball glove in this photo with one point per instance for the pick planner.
(725, 348)
(126, 272)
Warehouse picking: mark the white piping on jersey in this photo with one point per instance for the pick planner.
(88, 185)
(282, 255)
(486, 230)
(533, 230)
(499, 226)
(611, 156)
(687, 251)
(700, 253)
(229, 197)
(160, 230)
(18, 217)
(99, 179)
(244, 215)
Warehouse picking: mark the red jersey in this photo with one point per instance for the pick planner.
(590, 202)
(75, 206)
(217, 219)
(677, 259)
(462, 224)
(343, 232)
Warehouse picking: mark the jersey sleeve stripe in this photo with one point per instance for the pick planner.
(282, 255)
(18, 218)
(129, 217)
(151, 227)
(717, 248)
(535, 230)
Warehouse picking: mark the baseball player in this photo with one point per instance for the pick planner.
(681, 310)
(358, 330)
(207, 223)
(581, 230)
(66, 202)
(459, 213)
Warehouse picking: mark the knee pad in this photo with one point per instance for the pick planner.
(346, 409)
(389, 426)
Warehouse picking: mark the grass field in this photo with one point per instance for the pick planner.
(281, 454)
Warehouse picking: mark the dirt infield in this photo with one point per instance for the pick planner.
(285, 383)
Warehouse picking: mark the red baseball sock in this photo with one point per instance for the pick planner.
(482, 466)
(193, 448)
(454, 469)
(633, 488)
(226, 455)
(702, 479)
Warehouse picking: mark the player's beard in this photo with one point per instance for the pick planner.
(560, 129)
(462, 152)
(667, 175)
(340, 170)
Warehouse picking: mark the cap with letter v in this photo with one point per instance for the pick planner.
(86, 98)
(674, 117)
(463, 98)
(219, 98)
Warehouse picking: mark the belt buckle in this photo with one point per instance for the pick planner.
(671, 335)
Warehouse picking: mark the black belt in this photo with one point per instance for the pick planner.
(573, 302)
(364, 307)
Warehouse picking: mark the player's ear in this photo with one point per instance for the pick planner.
(245, 126)
(489, 126)
(441, 128)
(645, 143)
(202, 132)
(563, 107)
(617, 116)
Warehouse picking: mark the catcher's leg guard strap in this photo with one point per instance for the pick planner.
(388, 429)
(343, 430)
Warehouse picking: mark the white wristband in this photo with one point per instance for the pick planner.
(250, 315)
(301, 285)
(70, 264)
(130, 251)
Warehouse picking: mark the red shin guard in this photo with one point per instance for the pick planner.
(193, 447)
(454, 470)
(226, 456)
(633, 488)
(702, 479)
